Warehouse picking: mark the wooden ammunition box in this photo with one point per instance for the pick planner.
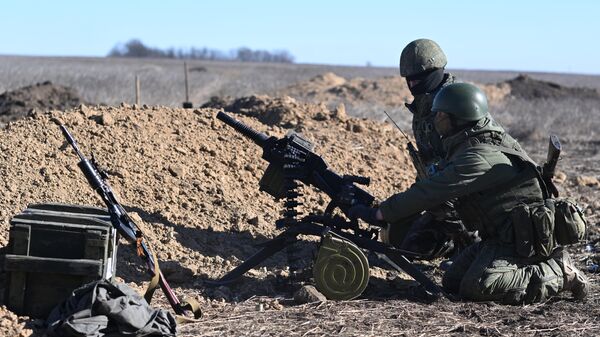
(53, 249)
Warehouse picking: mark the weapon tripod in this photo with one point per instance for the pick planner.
(341, 269)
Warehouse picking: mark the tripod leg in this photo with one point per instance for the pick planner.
(269, 248)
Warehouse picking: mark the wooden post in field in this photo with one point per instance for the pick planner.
(187, 88)
(138, 97)
(187, 104)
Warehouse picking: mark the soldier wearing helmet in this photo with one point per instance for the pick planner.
(499, 192)
(422, 63)
(436, 232)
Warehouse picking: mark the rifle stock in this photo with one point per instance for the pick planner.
(549, 168)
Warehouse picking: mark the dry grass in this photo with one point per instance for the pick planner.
(111, 80)
(398, 317)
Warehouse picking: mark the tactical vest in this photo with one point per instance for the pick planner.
(499, 211)
(428, 140)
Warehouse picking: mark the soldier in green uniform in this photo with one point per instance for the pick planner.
(500, 193)
(430, 234)
(422, 64)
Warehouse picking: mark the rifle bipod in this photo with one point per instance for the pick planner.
(341, 270)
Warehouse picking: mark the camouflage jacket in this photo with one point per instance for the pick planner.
(428, 140)
(488, 183)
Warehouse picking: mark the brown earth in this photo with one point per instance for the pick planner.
(188, 178)
(329, 87)
(389, 91)
(13, 325)
(392, 91)
(284, 111)
(523, 86)
(328, 90)
(43, 96)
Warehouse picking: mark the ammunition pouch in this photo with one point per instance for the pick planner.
(570, 223)
(534, 229)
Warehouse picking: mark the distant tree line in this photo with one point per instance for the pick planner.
(135, 48)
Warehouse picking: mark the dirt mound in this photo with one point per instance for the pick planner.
(41, 96)
(188, 178)
(495, 93)
(319, 83)
(526, 87)
(332, 89)
(284, 111)
(387, 92)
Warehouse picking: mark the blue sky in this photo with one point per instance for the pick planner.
(551, 36)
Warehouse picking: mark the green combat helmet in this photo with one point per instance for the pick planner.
(420, 56)
(463, 101)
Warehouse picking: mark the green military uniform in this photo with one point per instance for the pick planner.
(427, 138)
(491, 187)
(423, 60)
(430, 234)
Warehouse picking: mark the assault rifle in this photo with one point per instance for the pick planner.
(292, 161)
(127, 227)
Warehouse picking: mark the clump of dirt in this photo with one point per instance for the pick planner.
(317, 84)
(44, 96)
(495, 93)
(284, 111)
(523, 86)
(13, 325)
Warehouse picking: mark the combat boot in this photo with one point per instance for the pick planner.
(573, 278)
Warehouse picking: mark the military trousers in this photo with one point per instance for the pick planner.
(428, 237)
(492, 271)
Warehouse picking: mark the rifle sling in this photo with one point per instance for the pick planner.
(155, 279)
(191, 305)
(187, 303)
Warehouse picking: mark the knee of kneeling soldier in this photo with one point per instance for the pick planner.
(470, 288)
(451, 282)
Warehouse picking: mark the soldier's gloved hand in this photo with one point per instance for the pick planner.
(365, 213)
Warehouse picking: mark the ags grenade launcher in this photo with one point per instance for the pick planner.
(341, 270)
